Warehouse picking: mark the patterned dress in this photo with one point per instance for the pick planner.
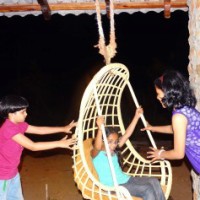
(192, 149)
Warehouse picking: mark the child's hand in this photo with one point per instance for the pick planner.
(139, 111)
(68, 143)
(100, 121)
(69, 127)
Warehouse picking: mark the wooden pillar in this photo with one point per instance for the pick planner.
(194, 42)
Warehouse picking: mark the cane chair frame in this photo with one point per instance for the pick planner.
(107, 87)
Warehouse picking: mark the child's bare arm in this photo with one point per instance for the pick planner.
(42, 130)
(98, 140)
(37, 146)
(131, 127)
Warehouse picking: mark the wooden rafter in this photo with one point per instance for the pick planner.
(46, 11)
(91, 6)
(167, 8)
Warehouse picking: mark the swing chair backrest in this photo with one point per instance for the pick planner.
(109, 84)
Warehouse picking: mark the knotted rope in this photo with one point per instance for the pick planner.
(108, 51)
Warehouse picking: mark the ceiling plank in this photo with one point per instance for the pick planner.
(91, 6)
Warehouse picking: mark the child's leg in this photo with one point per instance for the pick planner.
(3, 190)
(142, 187)
(195, 185)
(14, 189)
(156, 185)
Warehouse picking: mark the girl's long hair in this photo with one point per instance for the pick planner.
(177, 90)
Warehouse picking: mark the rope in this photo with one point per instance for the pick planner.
(108, 51)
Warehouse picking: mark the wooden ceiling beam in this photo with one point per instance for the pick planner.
(91, 6)
(45, 9)
(167, 9)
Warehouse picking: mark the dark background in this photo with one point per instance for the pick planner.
(51, 62)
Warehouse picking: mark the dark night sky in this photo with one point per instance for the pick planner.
(51, 62)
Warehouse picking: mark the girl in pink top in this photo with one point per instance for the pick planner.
(13, 141)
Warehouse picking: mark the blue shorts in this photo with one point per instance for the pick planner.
(11, 189)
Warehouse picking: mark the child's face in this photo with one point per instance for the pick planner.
(113, 140)
(160, 95)
(18, 116)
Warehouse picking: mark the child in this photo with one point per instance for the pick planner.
(144, 187)
(12, 141)
(174, 92)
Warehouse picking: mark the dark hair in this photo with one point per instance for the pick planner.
(110, 131)
(177, 90)
(11, 104)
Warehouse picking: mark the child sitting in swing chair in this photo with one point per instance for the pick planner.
(147, 188)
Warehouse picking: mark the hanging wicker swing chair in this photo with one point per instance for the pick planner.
(104, 94)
